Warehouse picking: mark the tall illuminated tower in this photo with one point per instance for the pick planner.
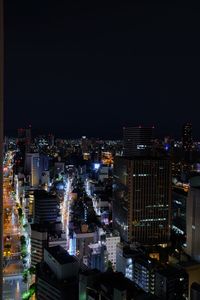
(137, 140)
(187, 136)
(141, 190)
(142, 199)
(1, 147)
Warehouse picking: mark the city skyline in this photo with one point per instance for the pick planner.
(85, 69)
(100, 154)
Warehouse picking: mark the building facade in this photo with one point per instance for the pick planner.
(142, 199)
(137, 140)
(193, 220)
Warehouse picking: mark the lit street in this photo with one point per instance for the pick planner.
(13, 266)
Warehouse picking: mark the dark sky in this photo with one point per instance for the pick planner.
(75, 68)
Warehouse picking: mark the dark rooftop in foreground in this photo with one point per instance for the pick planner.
(61, 255)
(171, 271)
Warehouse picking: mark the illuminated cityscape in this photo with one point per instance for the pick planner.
(111, 212)
(100, 181)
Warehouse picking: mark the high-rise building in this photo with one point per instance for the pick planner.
(57, 275)
(142, 199)
(193, 219)
(32, 168)
(137, 140)
(45, 236)
(187, 136)
(95, 285)
(97, 257)
(110, 239)
(24, 137)
(81, 240)
(46, 207)
(137, 267)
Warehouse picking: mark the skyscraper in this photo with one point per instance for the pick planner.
(32, 167)
(193, 219)
(57, 275)
(187, 136)
(46, 207)
(142, 199)
(137, 140)
(24, 137)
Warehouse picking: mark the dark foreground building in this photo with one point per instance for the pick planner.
(57, 275)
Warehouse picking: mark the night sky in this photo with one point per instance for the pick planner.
(74, 68)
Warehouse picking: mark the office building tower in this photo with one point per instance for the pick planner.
(137, 141)
(46, 207)
(187, 136)
(24, 139)
(95, 285)
(110, 239)
(144, 274)
(124, 259)
(97, 257)
(81, 241)
(44, 163)
(142, 199)
(32, 168)
(38, 243)
(45, 236)
(57, 275)
(195, 291)
(193, 219)
(137, 267)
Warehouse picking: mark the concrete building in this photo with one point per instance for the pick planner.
(148, 274)
(81, 241)
(193, 219)
(46, 207)
(97, 257)
(45, 236)
(110, 239)
(137, 267)
(137, 140)
(94, 285)
(32, 168)
(142, 199)
(187, 136)
(57, 275)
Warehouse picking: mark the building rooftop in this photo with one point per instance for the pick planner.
(42, 194)
(43, 271)
(51, 228)
(61, 255)
(170, 271)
